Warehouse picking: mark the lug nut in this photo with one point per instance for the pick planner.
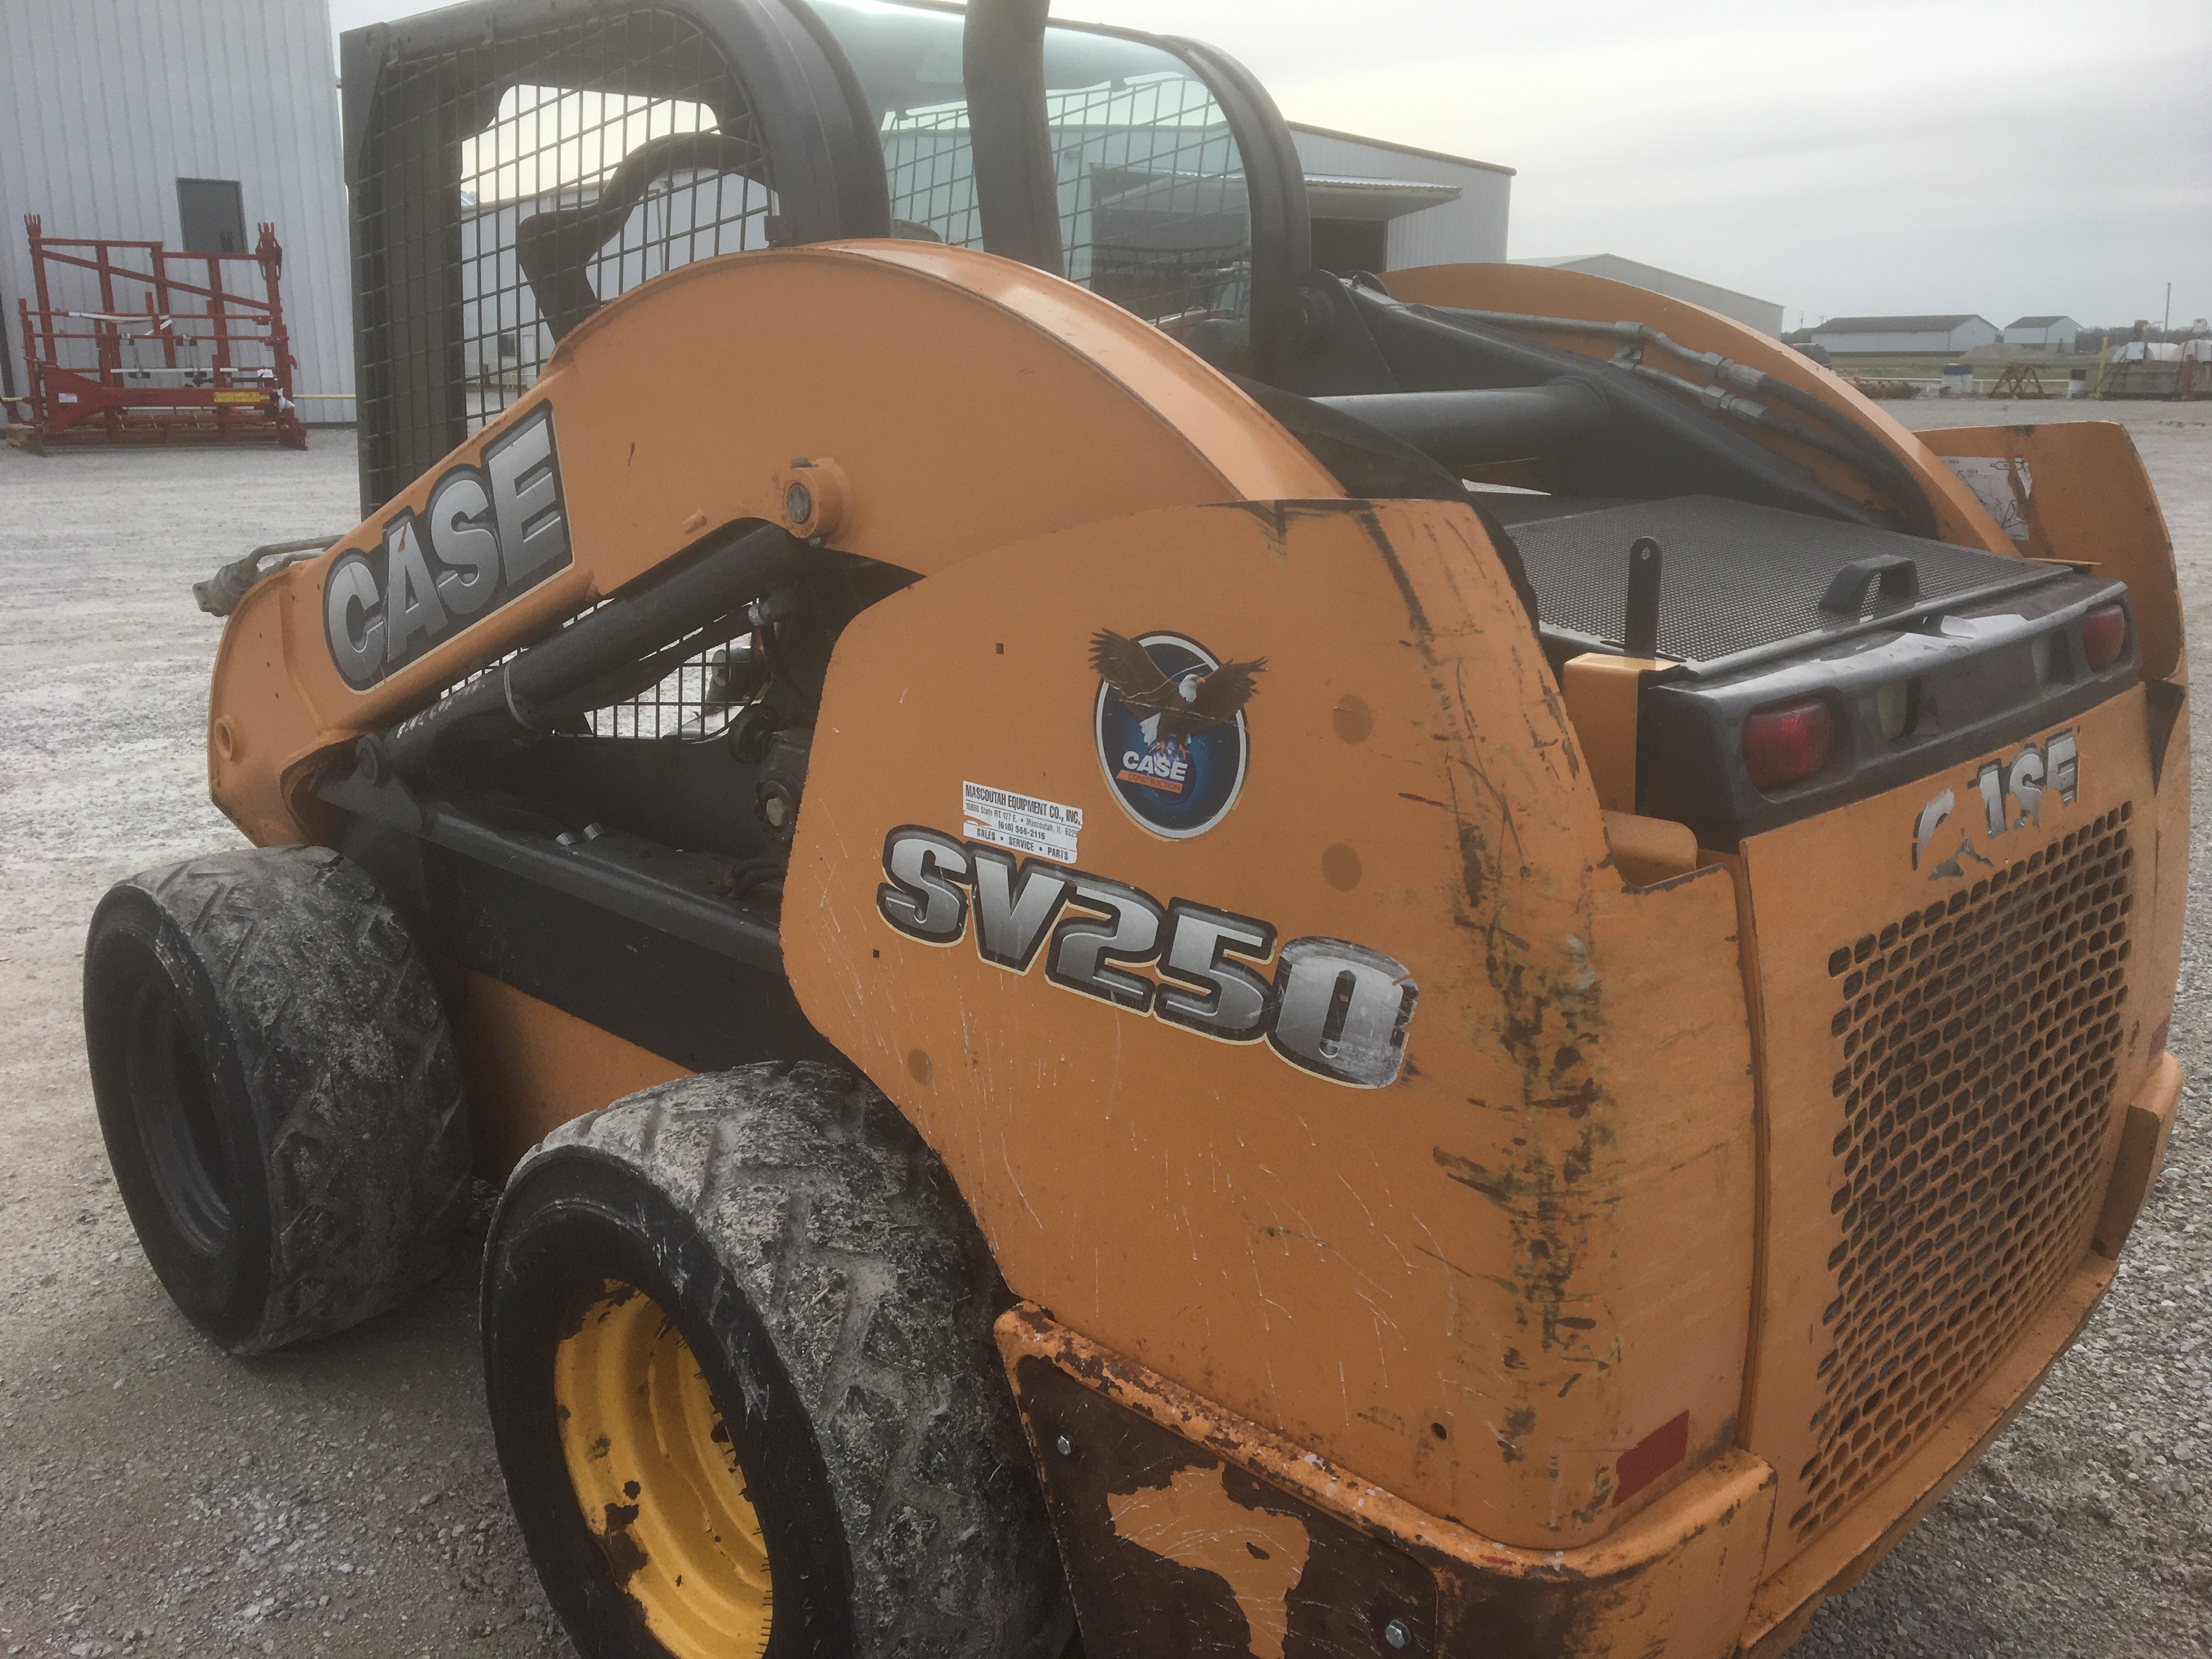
(1397, 1634)
(1065, 1446)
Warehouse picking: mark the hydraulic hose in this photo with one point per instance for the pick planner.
(1851, 444)
(220, 593)
(1752, 413)
(601, 653)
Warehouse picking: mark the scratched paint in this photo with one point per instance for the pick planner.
(1477, 1287)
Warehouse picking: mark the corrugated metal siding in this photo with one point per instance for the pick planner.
(1965, 338)
(1871, 342)
(105, 104)
(1469, 231)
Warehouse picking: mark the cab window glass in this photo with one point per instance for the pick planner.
(1154, 214)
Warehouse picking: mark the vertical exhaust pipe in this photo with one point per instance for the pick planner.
(1017, 186)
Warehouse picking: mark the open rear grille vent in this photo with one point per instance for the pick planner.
(1980, 1043)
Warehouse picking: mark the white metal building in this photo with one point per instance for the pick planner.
(1380, 206)
(2047, 333)
(121, 118)
(1959, 332)
(1765, 315)
(106, 104)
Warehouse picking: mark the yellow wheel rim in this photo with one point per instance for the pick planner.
(658, 1480)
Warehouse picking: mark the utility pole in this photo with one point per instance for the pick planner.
(2169, 327)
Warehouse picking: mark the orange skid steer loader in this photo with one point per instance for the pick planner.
(1165, 954)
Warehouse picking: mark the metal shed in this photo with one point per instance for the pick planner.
(1381, 206)
(2051, 332)
(1951, 331)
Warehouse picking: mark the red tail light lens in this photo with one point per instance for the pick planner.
(2104, 635)
(1786, 741)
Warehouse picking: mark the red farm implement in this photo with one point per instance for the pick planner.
(131, 343)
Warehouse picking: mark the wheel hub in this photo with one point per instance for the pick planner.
(657, 1477)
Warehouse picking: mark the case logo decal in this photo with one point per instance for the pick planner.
(488, 533)
(1170, 724)
(1330, 1007)
(2012, 795)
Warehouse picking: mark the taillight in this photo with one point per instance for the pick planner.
(1786, 741)
(2104, 635)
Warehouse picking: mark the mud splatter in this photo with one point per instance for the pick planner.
(625, 1555)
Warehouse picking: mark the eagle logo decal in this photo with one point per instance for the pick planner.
(1170, 728)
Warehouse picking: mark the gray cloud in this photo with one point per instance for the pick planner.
(1969, 155)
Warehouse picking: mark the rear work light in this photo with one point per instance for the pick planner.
(2104, 635)
(1786, 741)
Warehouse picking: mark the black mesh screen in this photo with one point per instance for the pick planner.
(695, 702)
(507, 188)
(1736, 577)
(1979, 1042)
(698, 698)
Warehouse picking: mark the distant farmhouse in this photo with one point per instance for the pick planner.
(2045, 333)
(1843, 335)
(1765, 315)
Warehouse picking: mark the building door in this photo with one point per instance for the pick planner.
(212, 215)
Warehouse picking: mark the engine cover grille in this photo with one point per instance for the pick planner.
(1979, 1044)
(1737, 577)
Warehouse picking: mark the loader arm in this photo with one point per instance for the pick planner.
(1090, 414)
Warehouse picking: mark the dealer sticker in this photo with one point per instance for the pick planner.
(1021, 823)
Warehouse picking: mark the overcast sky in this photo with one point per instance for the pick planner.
(1999, 157)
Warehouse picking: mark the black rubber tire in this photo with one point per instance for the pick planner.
(813, 1254)
(278, 1090)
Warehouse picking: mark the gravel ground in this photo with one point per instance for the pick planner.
(343, 1499)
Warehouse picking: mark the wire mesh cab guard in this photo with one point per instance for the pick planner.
(513, 164)
(469, 125)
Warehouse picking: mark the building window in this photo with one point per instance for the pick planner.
(212, 214)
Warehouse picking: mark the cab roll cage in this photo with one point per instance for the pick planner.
(413, 91)
(796, 136)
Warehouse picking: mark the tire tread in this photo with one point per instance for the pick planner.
(845, 1233)
(338, 1028)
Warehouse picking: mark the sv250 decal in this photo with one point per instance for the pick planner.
(488, 534)
(1333, 1008)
